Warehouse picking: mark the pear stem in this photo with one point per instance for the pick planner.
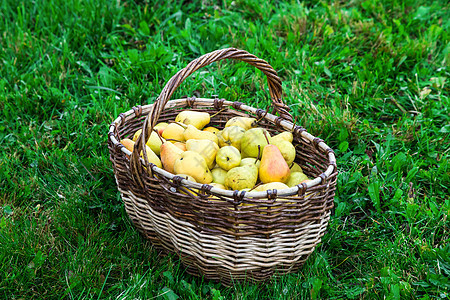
(255, 187)
(223, 109)
(267, 139)
(259, 153)
(174, 140)
(157, 132)
(180, 124)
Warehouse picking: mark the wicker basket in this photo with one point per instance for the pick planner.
(221, 234)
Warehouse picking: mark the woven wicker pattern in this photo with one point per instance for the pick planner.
(225, 235)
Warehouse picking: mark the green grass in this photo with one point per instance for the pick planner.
(371, 78)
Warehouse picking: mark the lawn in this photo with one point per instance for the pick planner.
(371, 78)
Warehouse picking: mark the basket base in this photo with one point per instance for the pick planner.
(223, 257)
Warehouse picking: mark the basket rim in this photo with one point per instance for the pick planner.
(228, 193)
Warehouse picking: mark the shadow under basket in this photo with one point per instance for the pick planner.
(221, 234)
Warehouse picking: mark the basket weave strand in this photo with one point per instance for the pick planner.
(220, 234)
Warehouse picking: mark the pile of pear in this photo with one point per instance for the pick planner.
(241, 156)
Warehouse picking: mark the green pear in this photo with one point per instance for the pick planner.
(250, 161)
(285, 135)
(228, 157)
(271, 186)
(193, 164)
(296, 168)
(154, 142)
(231, 136)
(242, 177)
(206, 148)
(196, 118)
(191, 132)
(219, 175)
(296, 178)
(245, 122)
(251, 140)
(174, 131)
(169, 154)
(286, 148)
(273, 167)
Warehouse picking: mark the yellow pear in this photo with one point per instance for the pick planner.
(180, 145)
(154, 142)
(242, 177)
(187, 177)
(151, 156)
(211, 129)
(250, 161)
(252, 139)
(129, 144)
(231, 136)
(218, 185)
(191, 190)
(271, 186)
(169, 154)
(160, 127)
(196, 118)
(193, 133)
(285, 135)
(244, 122)
(174, 131)
(286, 148)
(219, 175)
(296, 178)
(136, 135)
(228, 157)
(273, 167)
(296, 168)
(206, 148)
(193, 164)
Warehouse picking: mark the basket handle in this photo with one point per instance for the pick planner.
(273, 80)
